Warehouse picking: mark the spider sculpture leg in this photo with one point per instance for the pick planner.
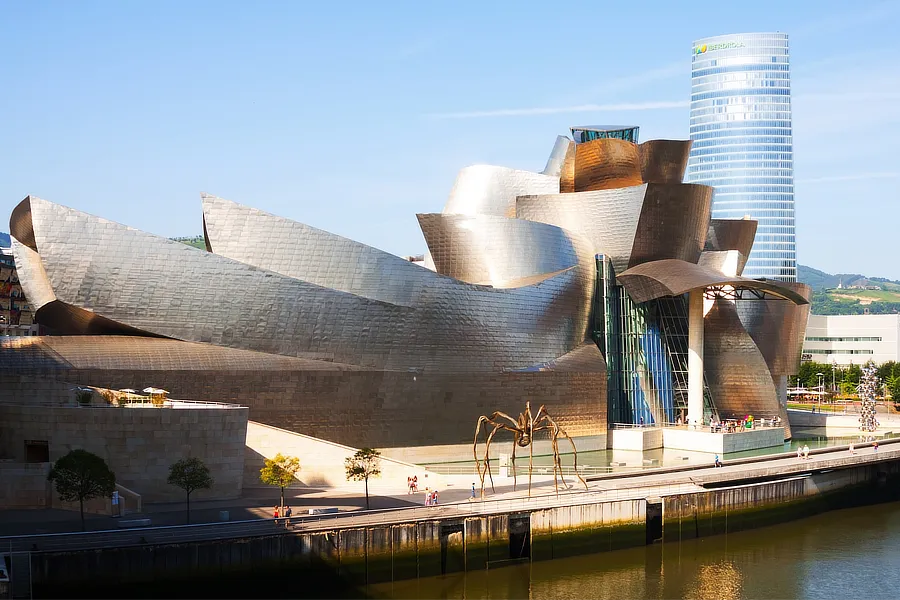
(487, 454)
(515, 443)
(530, 458)
(563, 433)
(481, 419)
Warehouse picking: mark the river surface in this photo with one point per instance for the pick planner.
(845, 554)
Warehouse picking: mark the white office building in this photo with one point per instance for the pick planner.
(852, 339)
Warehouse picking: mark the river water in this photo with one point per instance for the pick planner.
(845, 554)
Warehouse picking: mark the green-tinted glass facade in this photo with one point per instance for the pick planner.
(646, 350)
(588, 133)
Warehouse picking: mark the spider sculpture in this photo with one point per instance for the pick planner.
(523, 430)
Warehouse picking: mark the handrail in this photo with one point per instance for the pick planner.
(137, 401)
(260, 527)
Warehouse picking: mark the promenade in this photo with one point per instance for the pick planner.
(653, 483)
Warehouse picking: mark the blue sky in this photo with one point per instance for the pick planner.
(353, 117)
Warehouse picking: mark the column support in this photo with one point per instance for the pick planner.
(695, 357)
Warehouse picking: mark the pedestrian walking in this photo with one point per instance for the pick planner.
(718, 462)
(875, 447)
(799, 451)
(805, 451)
(434, 498)
(427, 496)
(409, 485)
(415, 483)
(852, 451)
(473, 491)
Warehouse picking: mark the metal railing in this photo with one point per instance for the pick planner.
(522, 469)
(174, 534)
(575, 495)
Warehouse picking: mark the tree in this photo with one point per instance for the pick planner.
(81, 475)
(893, 386)
(280, 472)
(365, 463)
(190, 474)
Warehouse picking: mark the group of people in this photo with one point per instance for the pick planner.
(412, 484)
(803, 452)
(431, 497)
(286, 512)
(874, 448)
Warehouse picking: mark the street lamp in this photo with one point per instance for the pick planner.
(821, 377)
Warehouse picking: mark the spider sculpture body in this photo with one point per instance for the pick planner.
(523, 429)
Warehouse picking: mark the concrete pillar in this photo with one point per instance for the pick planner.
(695, 357)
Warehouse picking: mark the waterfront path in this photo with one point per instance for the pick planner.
(651, 484)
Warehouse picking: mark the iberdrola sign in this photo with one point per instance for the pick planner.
(704, 48)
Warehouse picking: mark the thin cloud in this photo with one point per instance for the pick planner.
(847, 20)
(853, 177)
(556, 110)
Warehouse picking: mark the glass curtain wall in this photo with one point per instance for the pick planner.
(743, 144)
(646, 350)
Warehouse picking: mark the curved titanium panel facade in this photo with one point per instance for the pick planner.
(778, 327)
(489, 190)
(735, 369)
(664, 161)
(608, 219)
(296, 250)
(673, 277)
(339, 403)
(498, 251)
(451, 325)
(673, 224)
(731, 234)
(563, 150)
(742, 134)
(605, 164)
(32, 276)
(726, 262)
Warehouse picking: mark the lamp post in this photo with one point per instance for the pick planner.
(833, 390)
(821, 377)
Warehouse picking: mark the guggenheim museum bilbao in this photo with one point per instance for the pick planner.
(599, 287)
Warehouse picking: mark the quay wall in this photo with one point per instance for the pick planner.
(357, 556)
(138, 444)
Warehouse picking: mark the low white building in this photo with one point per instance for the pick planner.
(852, 339)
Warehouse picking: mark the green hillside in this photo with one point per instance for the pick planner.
(196, 241)
(850, 293)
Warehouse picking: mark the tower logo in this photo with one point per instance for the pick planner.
(702, 48)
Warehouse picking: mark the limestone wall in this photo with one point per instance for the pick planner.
(322, 462)
(722, 443)
(139, 444)
(24, 485)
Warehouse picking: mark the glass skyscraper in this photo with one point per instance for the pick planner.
(741, 129)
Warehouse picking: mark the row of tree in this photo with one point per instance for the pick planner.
(80, 476)
(281, 471)
(846, 378)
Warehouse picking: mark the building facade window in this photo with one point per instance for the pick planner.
(742, 141)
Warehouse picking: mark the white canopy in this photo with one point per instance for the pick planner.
(153, 390)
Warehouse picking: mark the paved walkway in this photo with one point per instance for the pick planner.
(252, 512)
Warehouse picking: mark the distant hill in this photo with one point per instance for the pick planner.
(4, 240)
(196, 241)
(820, 280)
(850, 293)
